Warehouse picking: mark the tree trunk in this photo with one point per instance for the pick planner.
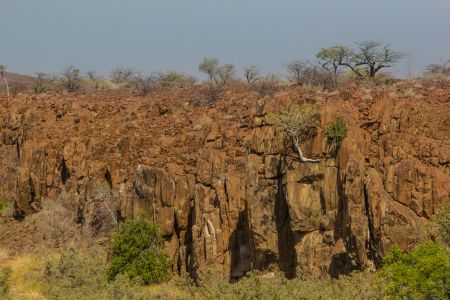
(7, 86)
(300, 153)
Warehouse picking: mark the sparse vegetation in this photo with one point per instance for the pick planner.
(297, 122)
(307, 73)
(137, 252)
(211, 92)
(40, 83)
(71, 81)
(251, 73)
(268, 85)
(441, 223)
(5, 207)
(175, 79)
(5, 278)
(256, 285)
(442, 68)
(122, 75)
(144, 84)
(337, 132)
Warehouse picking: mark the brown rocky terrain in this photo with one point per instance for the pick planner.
(227, 191)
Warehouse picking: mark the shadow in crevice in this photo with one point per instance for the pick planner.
(241, 256)
(65, 174)
(286, 240)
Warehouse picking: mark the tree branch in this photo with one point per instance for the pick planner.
(300, 153)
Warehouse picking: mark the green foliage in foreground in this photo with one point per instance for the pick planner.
(424, 273)
(137, 252)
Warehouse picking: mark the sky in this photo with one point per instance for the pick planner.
(164, 35)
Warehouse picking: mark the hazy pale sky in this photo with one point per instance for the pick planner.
(163, 35)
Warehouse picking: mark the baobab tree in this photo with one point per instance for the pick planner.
(2, 73)
(297, 122)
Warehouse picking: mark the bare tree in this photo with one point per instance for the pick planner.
(93, 77)
(373, 58)
(304, 72)
(295, 70)
(120, 75)
(2, 73)
(297, 121)
(442, 68)
(251, 73)
(144, 84)
(268, 85)
(71, 80)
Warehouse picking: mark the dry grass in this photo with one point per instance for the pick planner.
(26, 283)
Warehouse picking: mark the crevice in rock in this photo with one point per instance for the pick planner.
(373, 243)
(287, 260)
(18, 150)
(241, 258)
(188, 242)
(65, 174)
(108, 179)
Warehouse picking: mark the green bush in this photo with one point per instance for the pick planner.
(337, 131)
(5, 277)
(424, 273)
(137, 252)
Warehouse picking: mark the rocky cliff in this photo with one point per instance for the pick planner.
(227, 190)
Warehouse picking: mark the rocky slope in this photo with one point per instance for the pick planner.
(227, 191)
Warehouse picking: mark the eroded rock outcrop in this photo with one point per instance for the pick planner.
(226, 190)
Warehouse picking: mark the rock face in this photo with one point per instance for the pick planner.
(228, 193)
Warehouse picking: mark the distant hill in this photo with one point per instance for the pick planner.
(15, 78)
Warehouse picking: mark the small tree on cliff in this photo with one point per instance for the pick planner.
(297, 121)
(2, 73)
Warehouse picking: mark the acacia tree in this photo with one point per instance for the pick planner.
(225, 73)
(369, 58)
(216, 72)
(297, 121)
(251, 73)
(2, 73)
(210, 66)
